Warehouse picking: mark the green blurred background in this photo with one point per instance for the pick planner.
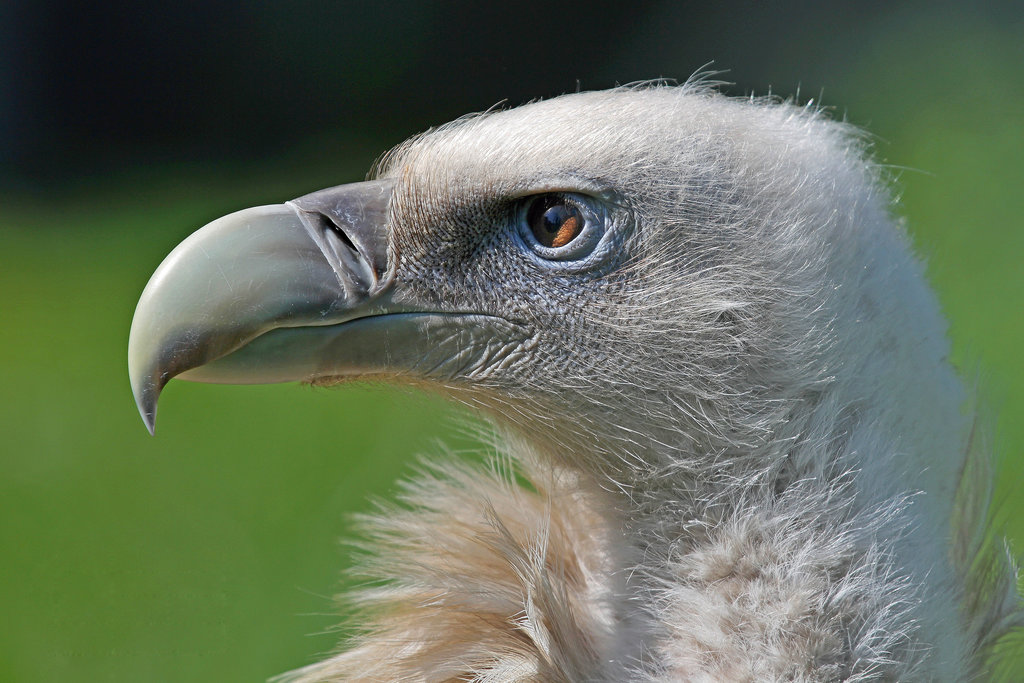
(211, 551)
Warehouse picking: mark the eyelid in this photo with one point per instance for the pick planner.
(569, 183)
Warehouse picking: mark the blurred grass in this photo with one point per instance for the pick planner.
(208, 553)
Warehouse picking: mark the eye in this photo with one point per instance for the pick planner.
(554, 221)
(561, 226)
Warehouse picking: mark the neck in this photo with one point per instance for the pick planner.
(821, 546)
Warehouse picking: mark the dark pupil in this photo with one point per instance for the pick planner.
(554, 222)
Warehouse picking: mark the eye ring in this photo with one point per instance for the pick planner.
(560, 226)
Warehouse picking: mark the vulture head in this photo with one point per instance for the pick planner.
(709, 348)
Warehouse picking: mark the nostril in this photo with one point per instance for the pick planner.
(354, 270)
(329, 227)
(350, 225)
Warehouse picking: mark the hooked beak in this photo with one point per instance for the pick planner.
(300, 291)
(316, 261)
(269, 273)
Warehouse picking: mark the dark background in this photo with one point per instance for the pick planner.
(209, 552)
(89, 88)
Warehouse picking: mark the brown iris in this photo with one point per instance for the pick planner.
(554, 221)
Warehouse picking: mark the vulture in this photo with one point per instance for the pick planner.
(727, 443)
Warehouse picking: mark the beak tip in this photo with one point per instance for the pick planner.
(145, 398)
(149, 419)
